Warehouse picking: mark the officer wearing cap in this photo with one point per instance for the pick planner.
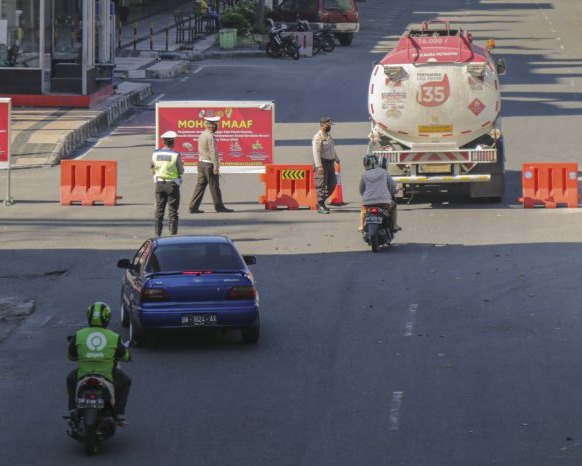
(324, 158)
(168, 169)
(208, 168)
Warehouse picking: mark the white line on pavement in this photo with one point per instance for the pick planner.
(395, 410)
(409, 326)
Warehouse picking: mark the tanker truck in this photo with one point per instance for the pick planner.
(434, 103)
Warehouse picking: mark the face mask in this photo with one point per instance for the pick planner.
(327, 129)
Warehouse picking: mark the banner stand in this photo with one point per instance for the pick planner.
(8, 201)
(5, 109)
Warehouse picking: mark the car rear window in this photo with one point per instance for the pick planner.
(199, 257)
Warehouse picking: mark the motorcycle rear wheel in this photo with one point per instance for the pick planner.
(374, 243)
(273, 51)
(328, 44)
(292, 51)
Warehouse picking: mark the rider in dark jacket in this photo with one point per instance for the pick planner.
(97, 350)
(377, 188)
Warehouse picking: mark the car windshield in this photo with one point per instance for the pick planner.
(340, 5)
(199, 257)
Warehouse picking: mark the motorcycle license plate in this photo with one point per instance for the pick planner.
(373, 219)
(90, 403)
(199, 320)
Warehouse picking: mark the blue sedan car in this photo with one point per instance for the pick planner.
(178, 282)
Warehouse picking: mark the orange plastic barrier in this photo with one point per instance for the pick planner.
(337, 197)
(89, 182)
(550, 184)
(290, 186)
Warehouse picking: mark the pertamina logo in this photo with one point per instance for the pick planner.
(95, 342)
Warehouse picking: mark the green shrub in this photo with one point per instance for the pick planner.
(244, 14)
(234, 19)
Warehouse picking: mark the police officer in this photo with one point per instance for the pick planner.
(168, 169)
(324, 158)
(97, 350)
(208, 169)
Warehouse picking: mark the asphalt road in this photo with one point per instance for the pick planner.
(459, 346)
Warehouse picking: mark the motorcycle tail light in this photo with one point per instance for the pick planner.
(374, 210)
(93, 381)
(242, 292)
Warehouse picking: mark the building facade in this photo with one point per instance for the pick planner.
(56, 47)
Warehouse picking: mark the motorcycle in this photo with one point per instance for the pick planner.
(322, 40)
(377, 227)
(279, 45)
(93, 420)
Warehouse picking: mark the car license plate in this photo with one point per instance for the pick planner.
(198, 320)
(373, 219)
(90, 403)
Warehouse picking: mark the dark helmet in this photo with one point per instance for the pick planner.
(98, 314)
(370, 161)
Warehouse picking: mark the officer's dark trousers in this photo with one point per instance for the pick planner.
(167, 192)
(325, 181)
(206, 177)
(121, 382)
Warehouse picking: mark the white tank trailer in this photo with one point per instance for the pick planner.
(434, 103)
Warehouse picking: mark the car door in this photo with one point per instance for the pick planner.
(133, 279)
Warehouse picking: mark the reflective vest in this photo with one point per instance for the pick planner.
(164, 161)
(96, 349)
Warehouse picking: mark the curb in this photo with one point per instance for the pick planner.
(116, 107)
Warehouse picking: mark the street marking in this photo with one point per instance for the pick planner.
(395, 410)
(409, 326)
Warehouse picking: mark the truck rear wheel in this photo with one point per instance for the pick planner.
(493, 190)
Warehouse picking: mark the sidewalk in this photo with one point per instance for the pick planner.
(44, 136)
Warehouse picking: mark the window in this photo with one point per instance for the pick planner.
(19, 33)
(195, 257)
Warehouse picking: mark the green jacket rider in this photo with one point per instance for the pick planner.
(97, 351)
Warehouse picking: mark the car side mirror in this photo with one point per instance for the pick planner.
(501, 66)
(124, 264)
(250, 260)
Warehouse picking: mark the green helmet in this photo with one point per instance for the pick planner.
(98, 314)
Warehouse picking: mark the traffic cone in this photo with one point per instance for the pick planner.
(337, 197)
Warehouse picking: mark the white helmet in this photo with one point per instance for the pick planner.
(169, 135)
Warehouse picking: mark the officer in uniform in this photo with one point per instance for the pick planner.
(208, 169)
(168, 169)
(324, 159)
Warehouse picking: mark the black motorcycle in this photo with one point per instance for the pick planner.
(322, 40)
(93, 421)
(377, 227)
(280, 45)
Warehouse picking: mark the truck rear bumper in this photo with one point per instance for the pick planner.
(442, 179)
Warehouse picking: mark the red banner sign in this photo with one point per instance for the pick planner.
(5, 108)
(244, 136)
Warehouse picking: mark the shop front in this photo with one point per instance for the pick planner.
(56, 52)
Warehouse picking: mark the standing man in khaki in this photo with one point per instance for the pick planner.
(167, 167)
(208, 168)
(324, 158)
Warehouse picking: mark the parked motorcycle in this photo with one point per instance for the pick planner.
(322, 40)
(279, 45)
(377, 231)
(93, 421)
